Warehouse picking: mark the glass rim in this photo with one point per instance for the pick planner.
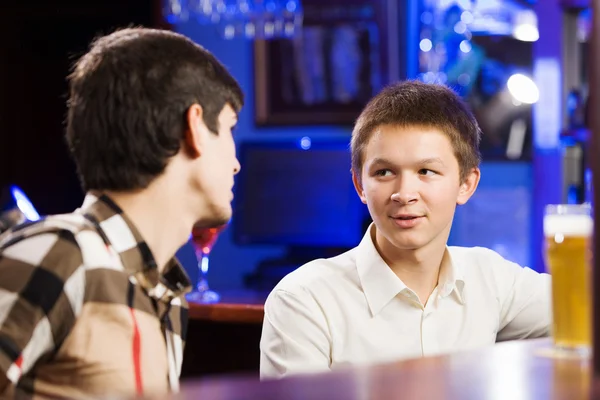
(568, 209)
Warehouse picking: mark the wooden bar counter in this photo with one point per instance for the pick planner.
(235, 307)
(516, 370)
(224, 337)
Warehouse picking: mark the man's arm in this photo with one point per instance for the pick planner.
(526, 307)
(295, 336)
(42, 284)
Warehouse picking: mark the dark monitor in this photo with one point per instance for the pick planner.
(297, 192)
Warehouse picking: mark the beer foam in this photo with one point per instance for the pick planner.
(568, 225)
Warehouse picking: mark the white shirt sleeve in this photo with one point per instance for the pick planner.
(525, 301)
(295, 336)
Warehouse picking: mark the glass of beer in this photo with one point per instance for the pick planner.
(568, 232)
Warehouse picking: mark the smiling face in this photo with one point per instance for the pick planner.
(410, 181)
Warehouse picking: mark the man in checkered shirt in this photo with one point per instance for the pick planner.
(91, 302)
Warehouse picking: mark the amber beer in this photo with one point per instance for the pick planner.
(568, 231)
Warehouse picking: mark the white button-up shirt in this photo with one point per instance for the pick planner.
(353, 309)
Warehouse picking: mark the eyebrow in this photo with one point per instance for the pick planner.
(381, 161)
(424, 161)
(432, 160)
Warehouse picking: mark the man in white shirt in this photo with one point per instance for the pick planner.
(402, 292)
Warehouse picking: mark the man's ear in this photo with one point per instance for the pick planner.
(468, 187)
(195, 133)
(358, 186)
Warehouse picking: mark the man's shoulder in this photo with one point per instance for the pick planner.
(483, 260)
(58, 243)
(67, 225)
(474, 255)
(318, 273)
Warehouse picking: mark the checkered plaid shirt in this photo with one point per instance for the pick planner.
(84, 310)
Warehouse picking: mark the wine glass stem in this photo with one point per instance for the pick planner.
(202, 285)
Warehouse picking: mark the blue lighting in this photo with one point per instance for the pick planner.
(305, 143)
(24, 204)
(291, 6)
(427, 18)
(271, 6)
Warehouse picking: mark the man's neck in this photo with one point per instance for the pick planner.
(419, 269)
(159, 217)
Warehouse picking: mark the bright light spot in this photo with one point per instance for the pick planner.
(204, 263)
(523, 89)
(465, 46)
(460, 27)
(559, 238)
(229, 32)
(305, 143)
(425, 45)
(24, 204)
(467, 17)
(526, 33)
(526, 26)
(250, 30)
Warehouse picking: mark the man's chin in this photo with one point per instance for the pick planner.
(403, 240)
(408, 241)
(217, 217)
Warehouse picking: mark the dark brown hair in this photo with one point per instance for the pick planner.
(129, 96)
(414, 103)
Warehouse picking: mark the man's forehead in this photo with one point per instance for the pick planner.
(425, 144)
(409, 138)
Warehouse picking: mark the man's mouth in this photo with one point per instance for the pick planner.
(406, 216)
(407, 221)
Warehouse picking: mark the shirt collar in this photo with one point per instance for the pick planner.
(135, 255)
(451, 280)
(380, 284)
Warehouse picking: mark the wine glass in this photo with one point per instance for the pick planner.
(203, 240)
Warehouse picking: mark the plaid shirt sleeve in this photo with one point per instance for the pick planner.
(42, 285)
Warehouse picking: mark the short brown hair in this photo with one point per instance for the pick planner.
(129, 95)
(411, 103)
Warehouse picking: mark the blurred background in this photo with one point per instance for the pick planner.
(307, 68)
